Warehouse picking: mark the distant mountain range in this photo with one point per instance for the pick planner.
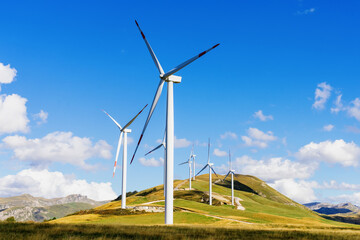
(329, 209)
(28, 208)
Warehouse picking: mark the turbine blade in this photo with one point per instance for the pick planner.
(153, 105)
(209, 151)
(128, 124)
(214, 171)
(154, 149)
(113, 119)
(230, 160)
(156, 61)
(117, 152)
(226, 175)
(201, 170)
(184, 163)
(184, 64)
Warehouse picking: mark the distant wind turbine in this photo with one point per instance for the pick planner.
(232, 172)
(189, 163)
(170, 79)
(124, 131)
(193, 156)
(163, 144)
(210, 169)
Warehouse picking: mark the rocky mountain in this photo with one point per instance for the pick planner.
(330, 209)
(29, 208)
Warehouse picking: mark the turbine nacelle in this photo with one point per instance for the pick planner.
(171, 78)
(126, 130)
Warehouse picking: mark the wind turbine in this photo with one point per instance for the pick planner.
(193, 156)
(124, 131)
(163, 144)
(232, 172)
(170, 79)
(210, 168)
(188, 162)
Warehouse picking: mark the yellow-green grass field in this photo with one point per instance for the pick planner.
(267, 215)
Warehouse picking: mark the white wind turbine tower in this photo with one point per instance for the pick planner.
(189, 163)
(170, 79)
(193, 156)
(163, 144)
(232, 172)
(210, 169)
(124, 131)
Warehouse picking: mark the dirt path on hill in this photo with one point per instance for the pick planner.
(217, 217)
(204, 214)
(179, 185)
(152, 202)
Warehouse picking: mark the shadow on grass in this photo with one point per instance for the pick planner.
(237, 186)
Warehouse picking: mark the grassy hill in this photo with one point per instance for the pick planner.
(261, 204)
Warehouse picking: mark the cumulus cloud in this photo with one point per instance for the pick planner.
(322, 94)
(13, 116)
(7, 74)
(259, 114)
(274, 168)
(258, 138)
(300, 191)
(42, 183)
(151, 162)
(338, 105)
(339, 186)
(228, 135)
(338, 151)
(354, 109)
(41, 117)
(328, 128)
(181, 142)
(354, 198)
(60, 147)
(217, 152)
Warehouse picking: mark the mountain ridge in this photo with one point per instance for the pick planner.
(26, 207)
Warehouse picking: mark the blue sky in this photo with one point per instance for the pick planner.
(74, 58)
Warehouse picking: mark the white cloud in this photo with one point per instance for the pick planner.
(338, 105)
(328, 128)
(259, 114)
(217, 152)
(181, 142)
(151, 162)
(13, 116)
(258, 138)
(354, 109)
(339, 151)
(228, 135)
(41, 117)
(354, 198)
(42, 183)
(273, 168)
(339, 186)
(322, 94)
(57, 147)
(306, 11)
(7, 74)
(299, 191)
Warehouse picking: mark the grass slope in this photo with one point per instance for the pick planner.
(41, 231)
(263, 205)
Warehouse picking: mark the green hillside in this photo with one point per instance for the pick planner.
(256, 203)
